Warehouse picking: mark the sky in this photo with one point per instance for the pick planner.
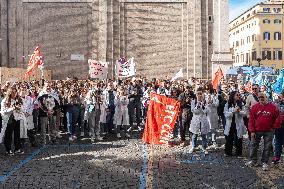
(237, 7)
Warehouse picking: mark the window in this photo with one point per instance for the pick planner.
(266, 36)
(276, 10)
(266, 21)
(248, 39)
(210, 43)
(242, 41)
(253, 38)
(266, 10)
(248, 15)
(247, 58)
(254, 11)
(277, 36)
(277, 21)
(277, 55)
(237, 59)
(242, 58)
(253, 55)
(266, 55)
(237, 43)
(210, 18)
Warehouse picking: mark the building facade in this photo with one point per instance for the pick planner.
(162, 35)
(256, 35)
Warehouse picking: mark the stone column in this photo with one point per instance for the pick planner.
(221, 50)
(198, 39)
(4, 33)
(102, 30)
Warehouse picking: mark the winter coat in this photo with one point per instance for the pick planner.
(199, 122)
(121, 116)
(212, 114)
(240, 127)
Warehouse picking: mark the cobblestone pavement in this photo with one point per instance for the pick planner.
(129, 163)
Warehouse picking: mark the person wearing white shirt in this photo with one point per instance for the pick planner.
(27, 109)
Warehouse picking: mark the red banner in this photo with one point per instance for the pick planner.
(161, 118)
(35, 60)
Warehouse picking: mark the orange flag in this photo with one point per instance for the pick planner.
(216, 80)
(161, 118)
(34, 61)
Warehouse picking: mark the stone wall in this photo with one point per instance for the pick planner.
(163, 36)
(17, 74)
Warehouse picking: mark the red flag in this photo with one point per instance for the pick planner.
(35, 60)
(161, 118)
(249, 87)
(218, 75)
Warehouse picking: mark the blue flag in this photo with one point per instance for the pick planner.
(278, 86)
(258, 79)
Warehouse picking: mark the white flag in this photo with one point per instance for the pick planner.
(97, 69)
(178, 75)
(125, 68)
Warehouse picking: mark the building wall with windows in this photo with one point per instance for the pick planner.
(163, 36)
(258, 34)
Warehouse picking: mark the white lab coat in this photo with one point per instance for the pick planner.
(121, 116)
(212, 114)
(240, 127)
(199, 122)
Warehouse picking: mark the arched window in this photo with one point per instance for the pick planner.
(266, 36)
(248, 39)
(277, 36)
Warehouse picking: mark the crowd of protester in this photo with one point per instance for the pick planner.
(100, 109)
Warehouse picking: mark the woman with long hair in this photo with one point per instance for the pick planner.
(234, 129)
(11, 105)
(199, 122)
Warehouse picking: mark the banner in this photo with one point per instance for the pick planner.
(35, 60)
(161, 119)
(97, 69)
(125, 68)
(178, 75)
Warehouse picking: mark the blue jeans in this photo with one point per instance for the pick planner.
(267, 137)
(72, 118)
(279, 142)
(194, 140)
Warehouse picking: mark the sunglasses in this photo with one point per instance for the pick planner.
(254, 88)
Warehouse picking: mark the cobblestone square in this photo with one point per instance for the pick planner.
(130, 164)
